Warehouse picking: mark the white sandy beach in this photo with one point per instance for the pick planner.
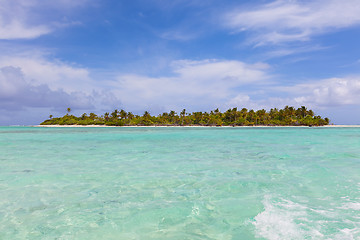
(326, 126)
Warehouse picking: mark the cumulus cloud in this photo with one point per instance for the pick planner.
(287, 21)
(55, 74)
(234, 72)
(318, 94)
(16, 93)
(36, 82)
(243, 100)
(32, 80)
(197, 84)
(328, 92)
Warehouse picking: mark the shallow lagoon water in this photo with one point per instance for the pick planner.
(179, 183)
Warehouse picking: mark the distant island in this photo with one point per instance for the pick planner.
(288, 116)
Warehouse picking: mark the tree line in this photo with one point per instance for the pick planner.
(288, 116)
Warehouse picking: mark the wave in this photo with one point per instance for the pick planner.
(286, 219)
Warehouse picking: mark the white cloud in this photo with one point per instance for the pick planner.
(16, 30)
(32, 80)
(14, 21)
(23, 19)
(286, 51)
(233, 72)
(287, 21)
(56, 74)
(197, 84)
(178, 35)
(243, 100)
(179, 4)
(36, 82)
(17, 93)
(318, 94)
(326, 93)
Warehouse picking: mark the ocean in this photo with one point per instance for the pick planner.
(179, 183)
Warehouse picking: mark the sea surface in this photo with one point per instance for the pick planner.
(179, 183)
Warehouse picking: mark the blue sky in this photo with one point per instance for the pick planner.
(159, 55)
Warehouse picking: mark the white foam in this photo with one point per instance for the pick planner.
(284, 219)
(278, 221)
(351, 205)
(347, 234)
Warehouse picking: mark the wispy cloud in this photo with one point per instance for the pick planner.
(179, 35)
(18, 30)
(288, 21)
(179, 4)
(25, 19)
(287, 50)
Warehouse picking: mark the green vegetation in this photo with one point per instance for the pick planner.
(288, 116)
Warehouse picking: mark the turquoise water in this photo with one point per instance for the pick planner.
(179, 183)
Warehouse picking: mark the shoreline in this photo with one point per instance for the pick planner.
(155, 126)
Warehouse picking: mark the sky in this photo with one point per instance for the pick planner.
(161, 55)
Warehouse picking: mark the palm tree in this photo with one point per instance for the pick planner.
(234, 112)
(146, 119)
(68, 110)
(92, 116)
(123, 114)
(182, 114)
(251, 117)
(244, 112)
(114, 114)
(172, 116)
(303, 111)
(106, 116)
(311, 113)
(130, 115)
(260, 116)
(146, 114)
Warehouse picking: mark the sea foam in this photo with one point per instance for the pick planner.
(285, 219)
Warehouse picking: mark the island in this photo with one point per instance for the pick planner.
(288, 116)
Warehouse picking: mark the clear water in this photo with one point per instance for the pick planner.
(179, 183)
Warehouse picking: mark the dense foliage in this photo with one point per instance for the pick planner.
(288, 116)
